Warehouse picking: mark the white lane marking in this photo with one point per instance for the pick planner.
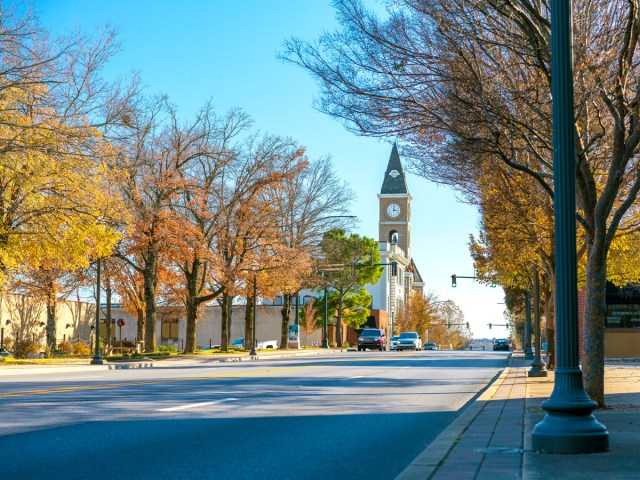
(80, 376)
(357, 376)
(195, 405)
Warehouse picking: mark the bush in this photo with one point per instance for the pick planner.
(22, 348)
(345, 345)
(333, 345)
(81, 348)
(166, 349)
(65, 347)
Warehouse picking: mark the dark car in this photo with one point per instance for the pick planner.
(372, 338)
(502, 344)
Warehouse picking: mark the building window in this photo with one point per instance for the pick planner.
(103, 328)
(623, 316)
(169, 330)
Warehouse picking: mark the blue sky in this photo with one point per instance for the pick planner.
(226, 50)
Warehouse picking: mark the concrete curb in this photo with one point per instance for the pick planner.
(10, 370)
(425, 464)
(17, 370)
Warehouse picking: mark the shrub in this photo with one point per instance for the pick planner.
(165, 348)
(22, 348)
(81, 348)
(333, 345)
(345, 345)
(65, 347)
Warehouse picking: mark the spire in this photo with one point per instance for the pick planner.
(394, 181)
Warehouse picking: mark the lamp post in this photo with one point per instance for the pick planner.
(325, 333)
(97, 358)
(569, 425)
(538, 367)
(528, 353)
(253, 352)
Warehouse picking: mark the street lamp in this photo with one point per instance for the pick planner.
(253, 352)
(325, 332)
(97, 358)
(569, 425)
(538, 367)
(528, 353)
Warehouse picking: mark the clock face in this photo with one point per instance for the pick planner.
(393, 210)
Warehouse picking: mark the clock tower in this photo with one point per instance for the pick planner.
(395, 206)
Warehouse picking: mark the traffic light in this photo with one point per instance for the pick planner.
(489, 326)
(394, 269)
(467, 325)
(454, 282)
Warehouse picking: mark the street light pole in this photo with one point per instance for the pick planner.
(528, 353)
(253, 352)
(325, 333)
(97, 358)
(538, 367)
(569, 425)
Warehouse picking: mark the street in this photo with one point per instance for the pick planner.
(353, 415)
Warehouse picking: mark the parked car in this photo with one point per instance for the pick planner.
(430, 346)
(372, 338)
(502, 344)
(4, 353)
(239, 343)
(393, 343)
(409, 341)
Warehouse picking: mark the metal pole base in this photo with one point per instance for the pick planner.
(569, 433)
(97, 361)
(569, 426)
(538, 369)
(528, 355)
(325, 343)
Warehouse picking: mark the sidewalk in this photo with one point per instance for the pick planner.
(492, 438)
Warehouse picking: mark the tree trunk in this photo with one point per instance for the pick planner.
(339, 323)
(550, 320)
(140, 326)
(286, 315)
(192, 305)
(595, 312)
(150, 282)
(192, 321)
(249, 320)
(51, 320)
(225, 324)
(108, 334)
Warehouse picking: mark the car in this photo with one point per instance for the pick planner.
(430, 346)
(502, 344)
(409, 341)
(4, 353)
(372, 338)
(393, 343)
(239, 343)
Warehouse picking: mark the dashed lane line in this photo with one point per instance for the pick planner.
(195, 405)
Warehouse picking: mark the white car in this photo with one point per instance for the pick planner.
(393, 344)
(409, 341)
(239, 342)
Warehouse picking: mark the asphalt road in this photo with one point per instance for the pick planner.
(358, 415)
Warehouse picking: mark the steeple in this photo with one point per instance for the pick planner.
(394, 181)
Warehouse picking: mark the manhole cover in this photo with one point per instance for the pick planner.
(498, 450)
